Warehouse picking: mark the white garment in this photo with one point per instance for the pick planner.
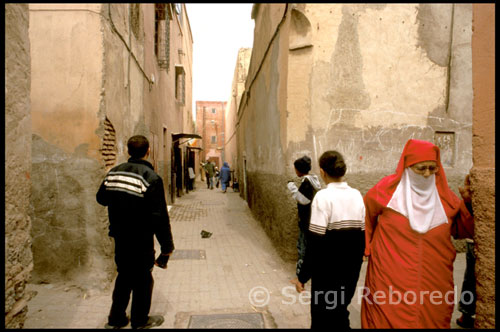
(297, 195)
(417, 198)
(338, 206)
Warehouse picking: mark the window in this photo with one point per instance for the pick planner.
(180, 89)
(213, 110)
(214, 140)
(162, 35)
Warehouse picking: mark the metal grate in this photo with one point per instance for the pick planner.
(227, 321)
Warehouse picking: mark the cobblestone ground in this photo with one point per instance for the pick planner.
(234, 271)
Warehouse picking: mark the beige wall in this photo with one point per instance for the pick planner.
(67, 96)
(483, 172)
(231, 111)
(95, 82)
(66, 81)
(18, 255)
(357, 78)
(366, 88)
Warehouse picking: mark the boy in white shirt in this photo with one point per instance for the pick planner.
(335, 245)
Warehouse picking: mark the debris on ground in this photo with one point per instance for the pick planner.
(205, 234)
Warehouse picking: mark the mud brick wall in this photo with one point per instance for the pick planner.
(18, 257)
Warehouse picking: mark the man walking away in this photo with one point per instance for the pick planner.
(137, 210)
(225, 176)
(210, 168)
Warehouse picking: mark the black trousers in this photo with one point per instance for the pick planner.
(330, 299)
(134, 278)
(467, 303)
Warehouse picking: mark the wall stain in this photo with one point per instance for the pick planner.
(348, 90)
(434, 31)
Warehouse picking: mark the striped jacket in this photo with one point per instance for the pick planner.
(137, 208)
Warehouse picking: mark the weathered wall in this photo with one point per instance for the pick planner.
(380, 80)
(18, 256)
(186, 56)
(69, 228)
(122, 80)
(84, 109)
(165, 115)
(232, 105)
(359, 79)
(262, 129)
(483, 172)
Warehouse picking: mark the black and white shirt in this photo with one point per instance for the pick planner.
(337, 207)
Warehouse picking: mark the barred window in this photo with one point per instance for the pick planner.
(162, 35)
(180, 88)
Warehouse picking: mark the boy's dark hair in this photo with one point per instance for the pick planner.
(137, 146)
(303, 164)
(333, 164)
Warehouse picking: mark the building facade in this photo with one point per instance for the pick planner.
(361, 79)
(101, 73)
(210, 125)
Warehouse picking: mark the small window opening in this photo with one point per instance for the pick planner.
(108, 149)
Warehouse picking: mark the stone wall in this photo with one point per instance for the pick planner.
(18, 256)
(70, 230)
(483, 172)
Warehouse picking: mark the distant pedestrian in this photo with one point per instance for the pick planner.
(216, 177)
(303, 195)
(225, 176)
(334, 251)
(210, 168)
(135, 198)
(192, 177)
(204, 170)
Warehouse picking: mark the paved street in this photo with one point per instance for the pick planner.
(207, 278)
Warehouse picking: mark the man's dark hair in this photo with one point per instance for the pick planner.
(333, 164)
(137, 146)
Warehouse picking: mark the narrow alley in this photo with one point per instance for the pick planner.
(232, 279)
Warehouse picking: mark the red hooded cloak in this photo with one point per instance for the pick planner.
(409, 278)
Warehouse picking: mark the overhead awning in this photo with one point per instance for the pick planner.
(195, 148)
(176, 137)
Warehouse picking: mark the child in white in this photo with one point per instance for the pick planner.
(335, 245)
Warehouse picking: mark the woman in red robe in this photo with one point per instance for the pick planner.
(410, 218)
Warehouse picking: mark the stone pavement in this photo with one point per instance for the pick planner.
(234, 278)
